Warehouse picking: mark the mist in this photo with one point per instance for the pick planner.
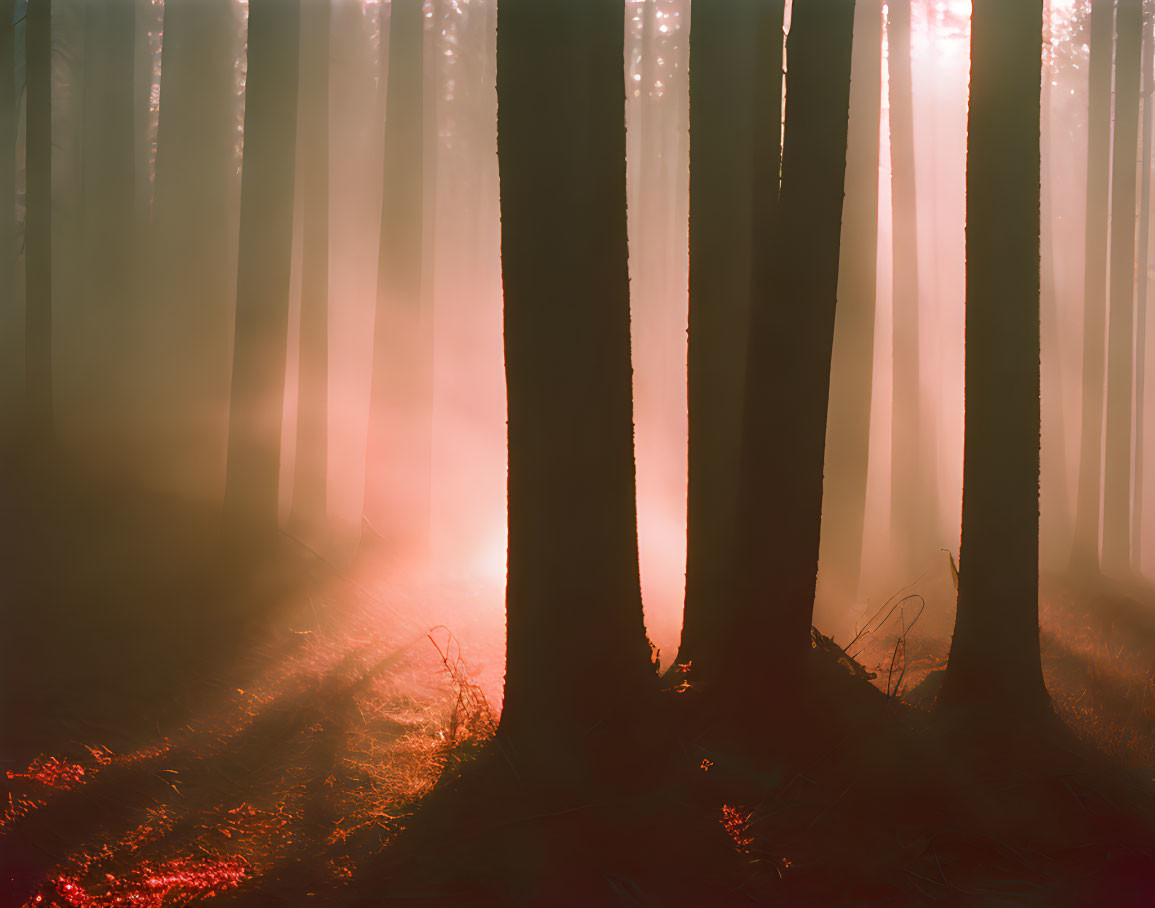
(257, 390)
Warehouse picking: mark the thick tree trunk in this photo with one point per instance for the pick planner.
(909, 488)
(994, 668)
(311, 466)
(788, 367)
(1117, 463)
(852, 363)
(721, 72)
(1141, 296)
(264, 259)
(109, 222)
(578, 670)
(38, 227)
(397, 474)
(195, 223)
(1085, 550)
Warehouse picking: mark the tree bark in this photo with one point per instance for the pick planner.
(109, 206)
(852, 363)
(578, 673)
(264, 260)
(9, 113)
(1141, 295)
(909, 487)
(1085, 550)
(397, 472)
(194, 235)
(38, 228)
(1056, 525)
(788, 365)
(1120, 354)
(994, 668)
(311, 467)
(722, 71)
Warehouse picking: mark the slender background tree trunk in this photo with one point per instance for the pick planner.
(1144, 280)
(109, 214)
(1085, 551)
(1056, 525)
(9, 113)
(311, 466)
(397, 468)
(264, 259)
(852, 363)
(38, 227)
(1120, 353)
(195, 218)
(9, 127)
(909, 488)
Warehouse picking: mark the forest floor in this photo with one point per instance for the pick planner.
(179, 725)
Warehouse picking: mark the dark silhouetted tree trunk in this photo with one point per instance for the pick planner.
(788, 368)
(852, 363)
(397, 466)
(195, 223)
(722, 75)
(994, 669)
(311, 469)
(578, 669)
(38, 227)
(1141, 298)
(8, 128)
(909, 488)
(1085, 550)
(264, 259)
(1120, 337)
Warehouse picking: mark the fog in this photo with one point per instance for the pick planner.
(141, 382)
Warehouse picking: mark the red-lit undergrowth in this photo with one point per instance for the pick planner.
(1099, 664)
(1098, 657)
(148, 885)
(294, 779)
(735, 821)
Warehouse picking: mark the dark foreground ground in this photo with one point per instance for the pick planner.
(180, 725)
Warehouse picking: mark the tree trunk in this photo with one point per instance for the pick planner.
(397, 466)
(578, 671)
(852, 362)
(109, 222)
(722, 71)
(1117, 463)
(264, 259)
(994, 668)
(1055, 530)
(311, 467)
(149, 21)
(788, 373)
(1141, 298)
(909, 487)
(9, 113)
(195, 224)
(38, 227)
(1085, 550)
